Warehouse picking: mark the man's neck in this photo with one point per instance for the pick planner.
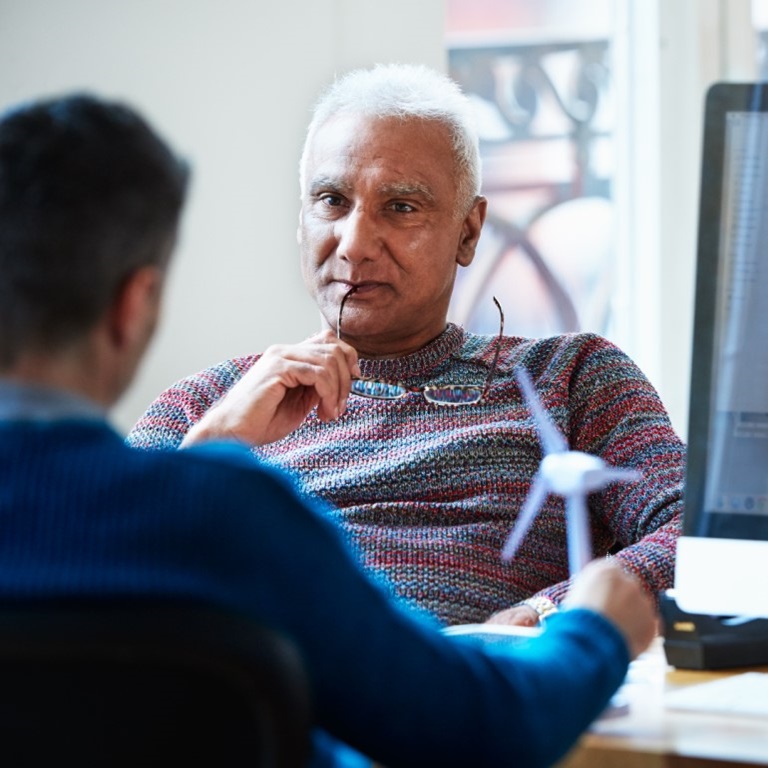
(77, 372)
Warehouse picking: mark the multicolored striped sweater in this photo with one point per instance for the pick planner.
(427, 494)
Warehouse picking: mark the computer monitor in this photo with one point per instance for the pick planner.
(722, 558)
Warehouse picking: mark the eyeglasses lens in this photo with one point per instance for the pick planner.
(381, 390)
(455, 394)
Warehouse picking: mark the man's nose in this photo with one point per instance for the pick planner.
(359, 237)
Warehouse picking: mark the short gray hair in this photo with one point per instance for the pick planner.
(406, 91)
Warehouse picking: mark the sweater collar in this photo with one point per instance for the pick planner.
(447, 344)
(27, 402)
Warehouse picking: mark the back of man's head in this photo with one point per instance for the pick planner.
(407, 92)
(88, 194)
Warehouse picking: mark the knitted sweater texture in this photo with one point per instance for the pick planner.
(427, 494)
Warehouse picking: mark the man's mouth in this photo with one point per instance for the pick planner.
(359, 287)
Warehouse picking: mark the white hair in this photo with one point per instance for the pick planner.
(406, 91)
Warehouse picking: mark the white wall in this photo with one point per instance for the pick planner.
(230, 83)
(702, 41)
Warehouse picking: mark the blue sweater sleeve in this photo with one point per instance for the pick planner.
(385, 680)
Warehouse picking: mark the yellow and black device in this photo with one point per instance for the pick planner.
(698, 641)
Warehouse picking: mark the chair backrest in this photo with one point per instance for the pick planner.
(147, 683)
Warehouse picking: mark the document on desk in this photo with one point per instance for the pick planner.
(506, 634)
(509, 635)
(745, 694)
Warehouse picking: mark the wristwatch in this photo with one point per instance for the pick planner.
(542, 605)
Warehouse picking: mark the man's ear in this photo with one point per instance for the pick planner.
(136, 308)
(470, 232)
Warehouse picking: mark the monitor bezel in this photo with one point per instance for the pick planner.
(721, 99)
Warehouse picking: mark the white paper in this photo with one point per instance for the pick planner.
(743, 694)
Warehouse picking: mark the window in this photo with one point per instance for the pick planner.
(590, 114)
(539, 74)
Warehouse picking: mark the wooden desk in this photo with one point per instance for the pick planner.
(651, 736)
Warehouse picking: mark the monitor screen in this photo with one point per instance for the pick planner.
(725, 542)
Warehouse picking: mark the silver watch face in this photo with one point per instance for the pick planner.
(542, 605)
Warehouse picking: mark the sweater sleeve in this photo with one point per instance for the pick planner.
(614, 412)
(385, 680)
(171, 415)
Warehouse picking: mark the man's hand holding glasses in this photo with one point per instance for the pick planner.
(277, 392)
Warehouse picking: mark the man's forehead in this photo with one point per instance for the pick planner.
(388, 156)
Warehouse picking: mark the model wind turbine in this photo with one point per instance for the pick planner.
(567, 473)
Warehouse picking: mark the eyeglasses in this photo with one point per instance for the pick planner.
(440, 394)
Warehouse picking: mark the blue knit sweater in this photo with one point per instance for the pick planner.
(82, 514)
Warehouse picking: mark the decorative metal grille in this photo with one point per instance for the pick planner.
(546, 124)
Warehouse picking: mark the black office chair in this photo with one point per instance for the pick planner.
(147, 683)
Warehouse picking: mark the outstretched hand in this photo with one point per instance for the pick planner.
(275, 395)
(603, 586)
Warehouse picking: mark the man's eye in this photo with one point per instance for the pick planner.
(331, 200)
(403, 207)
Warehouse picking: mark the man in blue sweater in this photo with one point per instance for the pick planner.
(90, 200)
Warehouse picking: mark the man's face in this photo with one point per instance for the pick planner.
(380, 213)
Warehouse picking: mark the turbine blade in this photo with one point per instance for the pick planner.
(551, 439)
(579, 537)
(599, 478)
(524, 519)
(621, 475)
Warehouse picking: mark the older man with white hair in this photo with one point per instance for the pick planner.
(412, 428)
